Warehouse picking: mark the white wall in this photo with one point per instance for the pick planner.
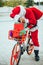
(38, 0)
(6, 45)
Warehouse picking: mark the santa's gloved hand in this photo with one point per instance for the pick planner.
(22, 32)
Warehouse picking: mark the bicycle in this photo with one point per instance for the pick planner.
(16, 51)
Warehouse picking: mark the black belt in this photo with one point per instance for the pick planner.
(32, 24)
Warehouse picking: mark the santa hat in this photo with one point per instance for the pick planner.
(26, 20)
(18, 11)
(22, 11)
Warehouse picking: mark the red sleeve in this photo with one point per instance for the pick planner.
(30, 16)
(32, 20)
(37, 13)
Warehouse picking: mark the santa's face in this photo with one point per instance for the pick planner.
(22, 20)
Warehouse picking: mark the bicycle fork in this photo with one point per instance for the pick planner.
(26, 42)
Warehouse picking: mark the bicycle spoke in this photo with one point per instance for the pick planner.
(16, 54)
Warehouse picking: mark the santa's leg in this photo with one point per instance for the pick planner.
(36, 44)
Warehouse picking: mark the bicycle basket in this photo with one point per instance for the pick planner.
(16, 31)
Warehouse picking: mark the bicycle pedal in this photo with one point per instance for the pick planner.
(29, 49)
(22, 51)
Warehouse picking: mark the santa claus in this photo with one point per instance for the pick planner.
(30, 15)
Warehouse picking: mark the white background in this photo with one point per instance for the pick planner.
(6, 45)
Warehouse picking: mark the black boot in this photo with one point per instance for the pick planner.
(22, 50)
(37, 58)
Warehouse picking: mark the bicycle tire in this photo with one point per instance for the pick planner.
(18, 57)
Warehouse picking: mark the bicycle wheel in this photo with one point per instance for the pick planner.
(16, 55)
(30, 49)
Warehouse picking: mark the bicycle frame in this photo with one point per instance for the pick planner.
(16, 51)
(23, 40)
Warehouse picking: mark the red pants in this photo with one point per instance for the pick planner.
(34, 36)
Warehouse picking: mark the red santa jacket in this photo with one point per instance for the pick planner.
(32, 14)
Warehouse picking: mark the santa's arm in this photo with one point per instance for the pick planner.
(32, 20)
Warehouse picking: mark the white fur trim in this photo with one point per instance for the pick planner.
(33, 29)
(36, 48)
(26, 20)
(16, 18)
(22, 11)
(27, 29)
